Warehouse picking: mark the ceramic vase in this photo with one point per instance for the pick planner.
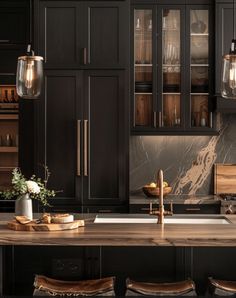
(23, 206)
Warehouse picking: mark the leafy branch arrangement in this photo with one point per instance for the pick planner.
(35, 187)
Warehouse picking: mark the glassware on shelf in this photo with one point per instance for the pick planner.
(150, 25)
(199, 111)
(143, 36)
(138, 24)
(6, 96)
(171, 110)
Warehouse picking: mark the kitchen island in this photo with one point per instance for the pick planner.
(141, 251)
(126, 234)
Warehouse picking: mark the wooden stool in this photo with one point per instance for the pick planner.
(219, 287)
(45, 286)
(181, 288)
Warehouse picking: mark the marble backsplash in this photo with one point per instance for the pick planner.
(187, 161)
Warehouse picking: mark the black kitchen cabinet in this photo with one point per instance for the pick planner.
(14, 22)
(14, 34)
(82, 129)
(105, 209)
(172, 83)
(84, 34)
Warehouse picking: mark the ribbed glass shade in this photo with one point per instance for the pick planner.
(29, 76)
(228, 82)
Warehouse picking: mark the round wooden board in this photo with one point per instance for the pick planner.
(14, 225)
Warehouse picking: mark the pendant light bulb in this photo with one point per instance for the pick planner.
(29, 75)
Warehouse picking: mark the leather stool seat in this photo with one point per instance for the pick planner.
(45, 286)
(222, 287)
(181, 288)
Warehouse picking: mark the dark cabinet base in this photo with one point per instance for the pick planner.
(150, 264)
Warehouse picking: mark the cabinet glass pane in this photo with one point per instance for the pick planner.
(143, 68)
(143, 111)
(199, 111)
(171, 110)
(199, 79)
(199, 67)
(171, 50)
(171, 68)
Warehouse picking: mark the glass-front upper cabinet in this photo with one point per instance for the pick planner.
(143, 68)
(171, 69)
(171, 77)
(201, 116)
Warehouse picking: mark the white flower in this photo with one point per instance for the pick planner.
(32, 187)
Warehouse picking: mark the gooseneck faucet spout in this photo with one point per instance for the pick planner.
(161, 203)
(160, 212)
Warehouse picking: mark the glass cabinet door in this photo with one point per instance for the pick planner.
(143, 68)
(171, 68)
(199, 68)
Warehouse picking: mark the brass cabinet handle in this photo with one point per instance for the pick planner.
(85, 147)
(160, 119)
(78, 147)
(155, 119)
(192, 209)
(105, 211)
(85, 56)
(211, 120)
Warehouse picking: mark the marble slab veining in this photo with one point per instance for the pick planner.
(187, 161)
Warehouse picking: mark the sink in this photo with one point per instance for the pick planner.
(176, 219)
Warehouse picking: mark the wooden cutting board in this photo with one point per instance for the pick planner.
(14, 225)
(225, 178)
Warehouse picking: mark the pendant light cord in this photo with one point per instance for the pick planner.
(234, 19)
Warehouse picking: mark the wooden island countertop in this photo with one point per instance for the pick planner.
(186, 235)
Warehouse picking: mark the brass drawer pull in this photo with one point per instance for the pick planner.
(145, 209)
(78, 147)
(193, 209)
(160, 119)
(85, 56)
(105, 211)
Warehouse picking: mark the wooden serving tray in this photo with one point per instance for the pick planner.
(225, 178)
(32, 226)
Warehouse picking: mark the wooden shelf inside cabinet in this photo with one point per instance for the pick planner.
(9, 117)
(6, 169)
(5, 149)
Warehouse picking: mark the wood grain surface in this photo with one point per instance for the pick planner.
(224, 178)
(14, 225)
(126, 235)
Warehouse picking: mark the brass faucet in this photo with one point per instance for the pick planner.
(161, 211)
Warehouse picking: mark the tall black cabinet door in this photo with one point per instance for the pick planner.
(224, 35)
(60, 33)
(105, 135)
(59, 116)
(107, 33)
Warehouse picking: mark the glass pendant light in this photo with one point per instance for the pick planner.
(29, 76)
(228, 76)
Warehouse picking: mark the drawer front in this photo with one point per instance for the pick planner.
(197, 209)
(180, 208)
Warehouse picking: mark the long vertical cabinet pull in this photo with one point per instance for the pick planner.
(78, 147)
(85, 56)
(85, 147)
